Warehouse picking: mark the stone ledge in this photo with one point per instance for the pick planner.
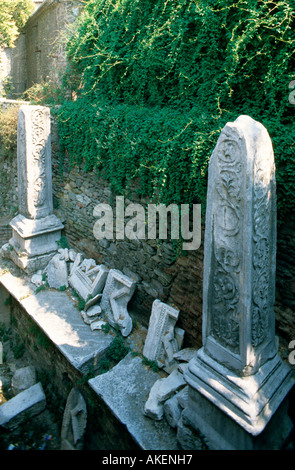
(54, 312)
(125, 390)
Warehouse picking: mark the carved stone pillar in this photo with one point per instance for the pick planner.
(36, 229)
(237, 381)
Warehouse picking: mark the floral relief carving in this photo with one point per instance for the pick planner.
(261, 255)
(226, 263)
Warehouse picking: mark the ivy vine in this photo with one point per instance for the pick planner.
(153, 82)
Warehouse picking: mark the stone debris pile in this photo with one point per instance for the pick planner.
(168, 395)
(29, 399)
(105, 292)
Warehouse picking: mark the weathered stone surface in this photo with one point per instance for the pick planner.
(189, 437)
(161, 391)
(37, 279)
(87, 278)
(55, 313)
(23, 406)
(124, 390)
(34, 162)
(116, 295)
(57, 272)
(172, 411)
(35, 230)
(93, 311)
(161, 344)
(94, 301)
(23, 378)
(237, 381)
(97, 324)
(74, 422)
(185, 355)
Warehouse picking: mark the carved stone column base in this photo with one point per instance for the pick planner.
(33, 242)
(234, 412)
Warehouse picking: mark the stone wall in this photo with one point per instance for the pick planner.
(44, 41)
(38, 54)
(153, 264)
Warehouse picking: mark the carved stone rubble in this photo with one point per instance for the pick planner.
(163, 340)
(74, 422)
(162, 390)
(87, 278)
(35, 230)
(237, 381)
(116, 295)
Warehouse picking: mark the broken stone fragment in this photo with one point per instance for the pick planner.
(185, 355)
(172, 411)
(22, 407)
(93, 311)
(88, 264)
(64, 253)
(23, 378)
(77, 261)
(94, 300)
(97, 324)
(57, 274)
(37, 279)
(162, 390)
(87, 278)
(116, 295)
(85, 317)
(163, 339)
(72, 255)
(74, 422)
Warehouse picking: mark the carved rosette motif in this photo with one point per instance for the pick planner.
(225, 326)
(261, 254)
(38, 153)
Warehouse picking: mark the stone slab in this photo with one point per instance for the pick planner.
(22, 407)
(125, 390)
(23, 379)
(55, 313)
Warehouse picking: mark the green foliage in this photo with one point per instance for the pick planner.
(106, 327)
(87, 376)
(39, 288)
(8, 300)
(5, 332)
(152, 364)
(18, 348)
(156, 81)
(117, 349)
(63, 242)
(81, 304)
(41, 339)
(104, 366)
(161, 147)
(8, 131)
(13, 16)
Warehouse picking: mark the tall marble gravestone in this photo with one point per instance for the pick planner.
(238, 383)
(35, 230)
